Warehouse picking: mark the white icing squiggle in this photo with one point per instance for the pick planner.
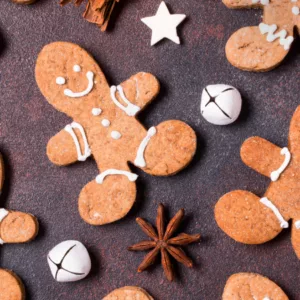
(263, 2)
(140, 160)
(276, 174)
(3, 214)
(90, 77)
(87, 150)
(283, 223)
(272, 36)
(297, 224)
(131, 176)
(130, 109)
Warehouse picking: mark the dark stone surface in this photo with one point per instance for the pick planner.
(35, 185)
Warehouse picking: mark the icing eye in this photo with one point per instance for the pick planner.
(76, 68)
(60, 80)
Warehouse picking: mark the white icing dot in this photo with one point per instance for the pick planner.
(96, 111)
(105, 123)
(76, 68)
(60, 80)
(297, 224)
(296, 10)
(294, 0)
(115, 135)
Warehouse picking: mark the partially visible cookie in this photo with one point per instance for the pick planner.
(23, 1)
(128, 293)
(249, 286)
(11, 286)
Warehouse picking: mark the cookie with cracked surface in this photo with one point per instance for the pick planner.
(11, 286)
(128, 293)
(250, 219)
(249, 286)
(262, 48)
(105, 126)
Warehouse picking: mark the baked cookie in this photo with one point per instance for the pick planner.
(11, 286)
(23, 1)
(128, 293)
(249, 286)
(105, 126)
(262, 48)
(253, 220)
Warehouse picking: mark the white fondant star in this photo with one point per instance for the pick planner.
(163, 25)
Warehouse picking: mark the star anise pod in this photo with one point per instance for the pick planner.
(162, 242)
(96, 11)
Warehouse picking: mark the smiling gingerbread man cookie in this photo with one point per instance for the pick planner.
(262, 48)
(250, 219)
(105, 126)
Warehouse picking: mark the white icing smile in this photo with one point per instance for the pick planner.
(90, 77)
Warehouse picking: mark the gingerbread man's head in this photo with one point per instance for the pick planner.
(250, 219)
(263, 47)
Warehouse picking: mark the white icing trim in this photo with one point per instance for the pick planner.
(3, 214)
(283, 223)
(263, 2)
(276, 174)
(87, 151)
(272, 36)
(140, 160)
(130, 109)
(297, 224)
(131, 176)
(90, 77)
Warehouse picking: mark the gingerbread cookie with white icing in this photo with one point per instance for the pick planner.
(15, 226)
(128, 292)
(105, 126)
(262, 48)
(11, 286)
(250, 219)
(249, 286)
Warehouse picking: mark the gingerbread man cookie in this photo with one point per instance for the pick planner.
(250, 219)
(11, 286)
(249, 286)
(262, 48)
(128, 293)
(105, 126)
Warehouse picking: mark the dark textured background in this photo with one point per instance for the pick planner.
(33, 184)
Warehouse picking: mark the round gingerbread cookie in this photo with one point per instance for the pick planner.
(11, 286)
(249, 286)
(128, 292)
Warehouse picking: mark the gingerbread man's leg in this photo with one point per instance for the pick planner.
(167, 148)
(262, 48)
(11, 286)
(244, 216)
(109, 197)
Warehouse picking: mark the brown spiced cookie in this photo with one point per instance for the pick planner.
(249, 286)
(128, 293)
(105, 126)
(253, 220)
(11, 286)
(262, 48)
(15, 227)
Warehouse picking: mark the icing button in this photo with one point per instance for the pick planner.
(60, 80)
(115, 135)
(96, 111)
(76, 68)
(105, 123)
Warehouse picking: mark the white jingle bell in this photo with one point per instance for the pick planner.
(69, 261)
(220, 104)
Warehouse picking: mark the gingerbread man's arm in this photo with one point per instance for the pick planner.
(61, 148)
(261, 155)
(140, 89)
(242, 3)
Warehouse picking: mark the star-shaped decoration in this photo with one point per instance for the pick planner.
(162, 242)
(164, 24)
